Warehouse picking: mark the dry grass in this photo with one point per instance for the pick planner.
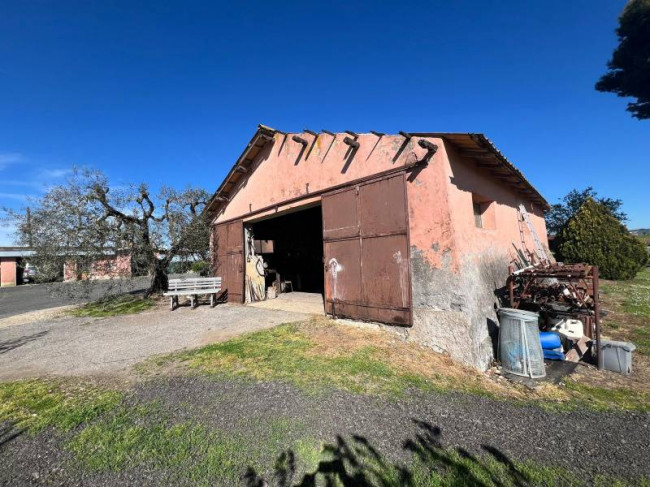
(335, 340)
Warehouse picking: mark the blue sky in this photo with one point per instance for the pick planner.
(170, 92)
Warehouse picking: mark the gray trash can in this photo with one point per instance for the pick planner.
(520, 350)
(617, 356)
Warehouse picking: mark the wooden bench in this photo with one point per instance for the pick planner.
(193, 287)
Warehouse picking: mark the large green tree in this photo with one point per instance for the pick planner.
(628, 73)
(561, 213)
(594, 236)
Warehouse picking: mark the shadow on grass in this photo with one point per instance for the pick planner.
(355, 462)
(8, 433)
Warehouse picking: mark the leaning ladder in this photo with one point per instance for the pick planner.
(539, 250)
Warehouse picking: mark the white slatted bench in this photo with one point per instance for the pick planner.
(193, 287)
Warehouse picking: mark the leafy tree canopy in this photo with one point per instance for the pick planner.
(561, 213)
(628, 71)
(594, 236)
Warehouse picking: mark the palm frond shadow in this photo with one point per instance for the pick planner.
(356, 462)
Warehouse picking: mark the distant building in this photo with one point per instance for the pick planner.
(13, 259)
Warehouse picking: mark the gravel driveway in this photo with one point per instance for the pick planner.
(77, 346)
(584, 442)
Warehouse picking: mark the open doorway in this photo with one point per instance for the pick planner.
(285, 255)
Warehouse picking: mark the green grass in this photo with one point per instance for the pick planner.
(123, 304)
(109, 432)
(37, 404)
(186, 451)
(286, 353)
(604, 398)
(632, 298)
(635, 293)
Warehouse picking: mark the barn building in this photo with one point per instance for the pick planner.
(414, 230)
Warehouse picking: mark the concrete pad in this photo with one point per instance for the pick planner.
(311, 303)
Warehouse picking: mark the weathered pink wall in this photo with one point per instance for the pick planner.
(8, 271)
(279, 177)
(117, 266)
(456, 266)
(464, 179)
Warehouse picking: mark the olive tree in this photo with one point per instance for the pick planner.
(85, 219)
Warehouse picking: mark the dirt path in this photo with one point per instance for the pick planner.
(67, 346)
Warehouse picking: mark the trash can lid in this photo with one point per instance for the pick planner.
(518, 314)
(627, 346)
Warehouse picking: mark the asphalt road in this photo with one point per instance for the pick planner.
(36, 297)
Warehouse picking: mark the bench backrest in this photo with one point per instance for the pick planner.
(198, 283)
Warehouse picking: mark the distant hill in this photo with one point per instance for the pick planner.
(640, 232)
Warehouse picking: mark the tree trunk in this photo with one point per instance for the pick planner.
(159, 280)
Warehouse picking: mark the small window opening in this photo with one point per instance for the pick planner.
(483, 212)
(478, 218)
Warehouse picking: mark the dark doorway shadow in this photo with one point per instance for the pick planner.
(9, 345)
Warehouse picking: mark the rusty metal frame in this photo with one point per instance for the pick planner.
(581, 279)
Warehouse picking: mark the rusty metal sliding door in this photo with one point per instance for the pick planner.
(228, 258)
(366, 249)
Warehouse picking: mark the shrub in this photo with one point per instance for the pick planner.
(594, 236)
(201, 267)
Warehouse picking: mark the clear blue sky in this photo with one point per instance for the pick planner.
(170, 92)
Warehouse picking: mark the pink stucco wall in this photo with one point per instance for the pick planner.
(117, 266)
(8, 271)
(278, 178)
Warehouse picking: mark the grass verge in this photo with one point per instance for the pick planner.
(110, 432)
(123, 304)
(37, 404)
(630, 305)
(319, 354)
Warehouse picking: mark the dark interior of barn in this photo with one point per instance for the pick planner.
(297, 249)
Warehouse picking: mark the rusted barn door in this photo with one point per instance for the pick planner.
(365, 238)
(228, 258)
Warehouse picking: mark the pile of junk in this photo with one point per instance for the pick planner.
(551, 314)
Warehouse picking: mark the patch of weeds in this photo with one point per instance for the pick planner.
(123, 304)
(355, 461)
(604, 399)
(37, 404)
(187, 452)
(288, 354)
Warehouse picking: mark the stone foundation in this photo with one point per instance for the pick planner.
(454, 312)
